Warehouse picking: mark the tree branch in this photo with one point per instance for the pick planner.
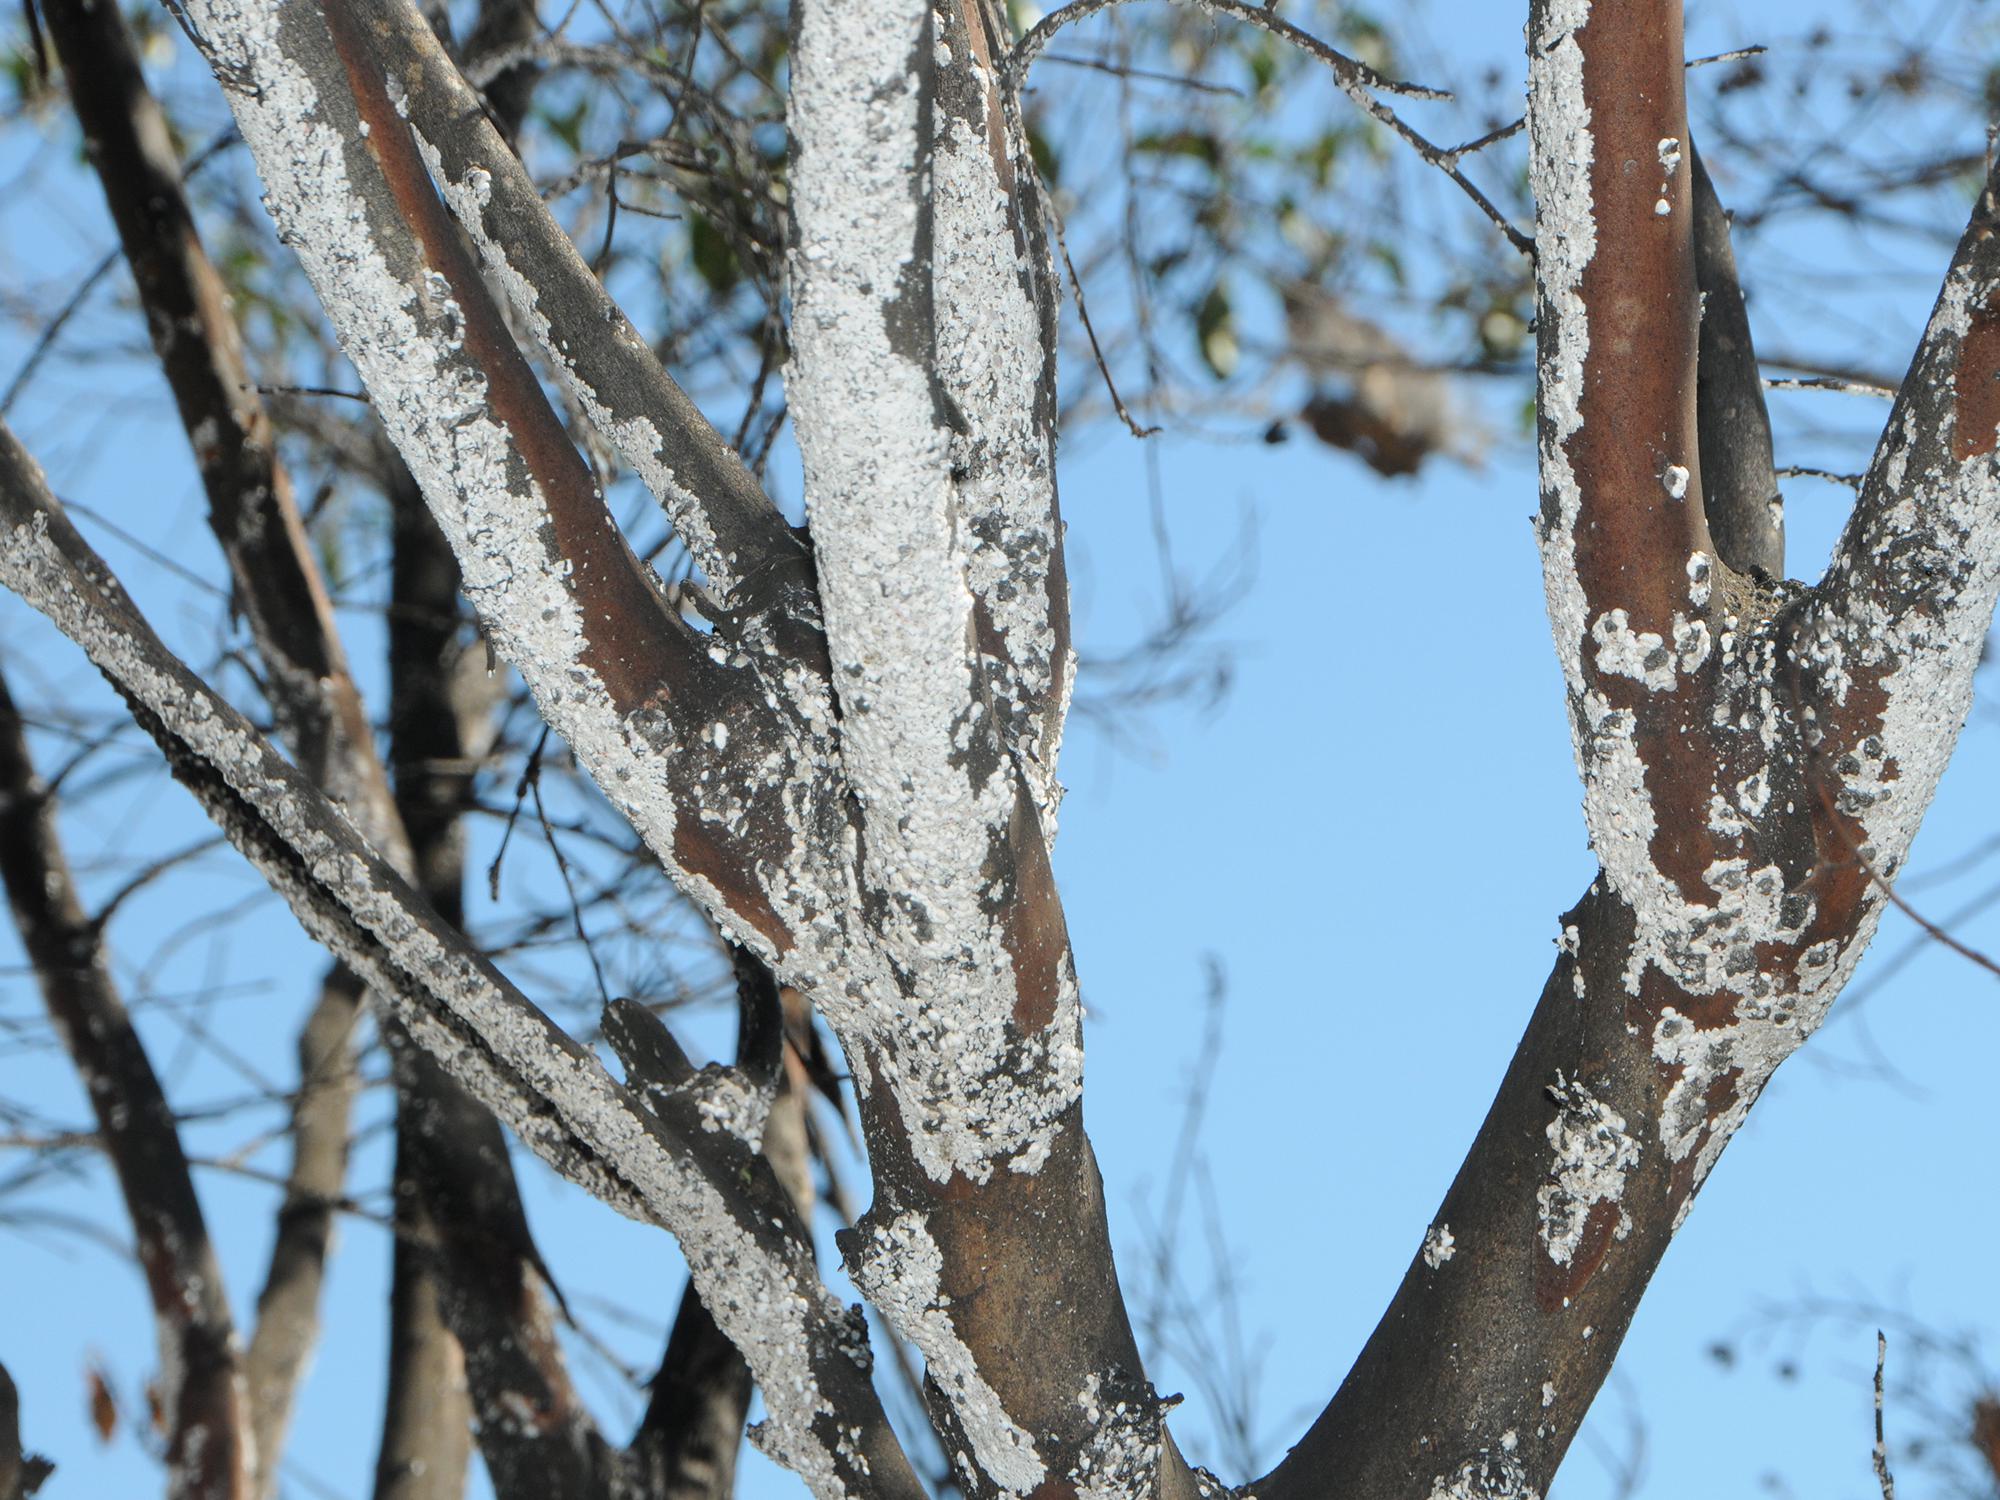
(1750, 751)
(994, 302)
(735, 534)
(707, 1186)
(202, 1406)
(277, 584)
(288, 1307)
(1739, 490)
(1888, 646)
(986, 1244)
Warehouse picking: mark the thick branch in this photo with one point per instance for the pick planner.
(707, 1186)
(729, 781)
(993, 304)
(1889, 646)
(986, 1245)
(717, 507)
(1746, 514)
(201, 1394)
(1748, 789)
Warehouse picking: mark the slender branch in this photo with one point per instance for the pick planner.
(983, 1174)
(203, 1411)
(276, 581)
(1832, 383)
(686, 1443)
(1880, 1454)
(287, 1325)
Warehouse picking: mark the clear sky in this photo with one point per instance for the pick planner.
(1370, 839)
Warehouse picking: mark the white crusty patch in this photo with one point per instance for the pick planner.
(1565, 243)
(1488, 1475)
(1594, 1153)
(990, 359)
(1640, 655)
(891, 553)
(1439, 1246)
(899, 1268)
(1122, 1459)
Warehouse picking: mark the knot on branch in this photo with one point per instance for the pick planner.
(722, 1099)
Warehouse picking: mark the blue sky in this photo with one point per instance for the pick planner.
(1370, 839)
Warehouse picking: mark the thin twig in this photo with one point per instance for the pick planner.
(1722, 57)
(1803, 471)
(530, 774)
(1829, 383)
(1931, 929)
(71, 304)
(1882, 1475)
(1148, 75)
(1357, 80)
(1083, 312)
(311, 390)
(1491, 138)
(569, 889)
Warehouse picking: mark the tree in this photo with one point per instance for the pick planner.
(842, 745)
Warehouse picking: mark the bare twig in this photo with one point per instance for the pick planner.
(1803, 471)
(1083, 312)
(1722, 57)
(1882, 1475)
(1829, 383)
(1357, 80)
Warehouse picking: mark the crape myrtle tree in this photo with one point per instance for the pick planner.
(841, 743)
